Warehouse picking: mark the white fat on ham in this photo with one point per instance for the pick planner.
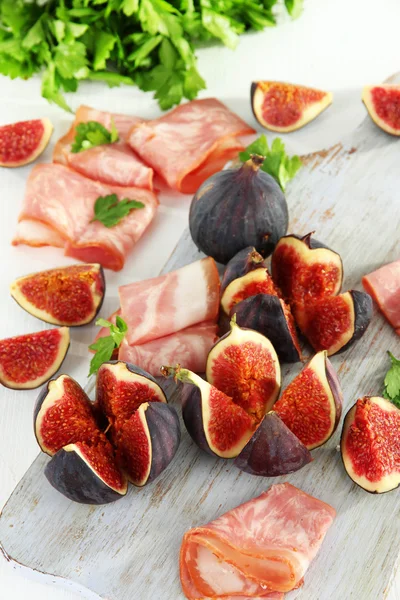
(35, 233)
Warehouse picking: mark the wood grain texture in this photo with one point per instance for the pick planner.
(349, 196)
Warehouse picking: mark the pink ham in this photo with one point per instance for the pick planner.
(111, 163)
(265, 545)
(63, 201)
(190, 143)
(188, 347)
(384, 286)
(157, 307)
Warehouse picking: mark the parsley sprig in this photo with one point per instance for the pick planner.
(110, 211)
(93, 133)
(392, 381)
(105, 346)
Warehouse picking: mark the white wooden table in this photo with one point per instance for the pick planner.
(338, 46)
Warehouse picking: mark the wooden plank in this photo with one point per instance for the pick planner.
(349, 196)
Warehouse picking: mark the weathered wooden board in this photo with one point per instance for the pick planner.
(129, 549)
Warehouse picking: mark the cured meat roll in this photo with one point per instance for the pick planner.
(384, 287)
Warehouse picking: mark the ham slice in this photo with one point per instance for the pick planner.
(111, 163)
(157, 307)
(262, 546)
(62, 202)
(188, 347)
(190, 143)
(384, 286)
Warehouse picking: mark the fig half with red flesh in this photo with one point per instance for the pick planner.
(311, 405)
(244, 366)
(285, 107)
(242, 263)
(69, 296)
(258, 281)
(383, 105)
(370, 444)
(305, 269)
(28, 361)
(335, 323)
(22, 142)
(272, 317)
(273, 450)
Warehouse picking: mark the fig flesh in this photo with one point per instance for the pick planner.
(21, 143)
(335, 323)
(272, 317)
(305, 270)
(285, 107)
(273, 450)
(28, 361)
(242, 263)
(255, 282)
(237, 208)
(311, 405)
(370, 444)
(383, 105)
(70, 296)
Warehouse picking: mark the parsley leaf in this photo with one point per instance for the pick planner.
(109, 210)
(105, 346)
(93, 133)
(392, 381)
(277, 163)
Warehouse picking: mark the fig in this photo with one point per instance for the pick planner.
(65, 296)
(21, 143)
(383, 105)
(236, 208)
(272, 317)
(273, 450)
(285, 107)
(255, 282)
(28, 361)
(335, 323)
(305, 269)
(244, 366)
(242, 263)
(370, 444)
(311, 405)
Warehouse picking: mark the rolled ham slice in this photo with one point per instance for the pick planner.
(188, 347)
(384, 287)
(157, 307)
(190, 143)
(116, 163)
(62, 200)
(265, 545)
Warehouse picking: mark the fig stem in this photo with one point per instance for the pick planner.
(255, 161)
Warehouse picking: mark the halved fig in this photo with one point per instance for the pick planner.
(370, 444)
(28, 361)
(242, 263)
(272, 317)
(335, 323)
(22, 142)
(311, 405)
(65, 296)
(273, 450)
(244, 366)
(305, 269)
(285, 107)
(258, 281)
(383, 105)
(214, 421)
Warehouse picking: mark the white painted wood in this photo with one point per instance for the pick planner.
(129, 549)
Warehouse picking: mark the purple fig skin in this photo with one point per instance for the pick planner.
(242, 263)
(336, 389)
(73, 478)
(193, 417)
(165, 435)
(362, 316)
(273, 450)
(264, 314)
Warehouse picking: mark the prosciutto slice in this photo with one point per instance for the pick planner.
(190, 143)
(59, 205)
(265, 545)
(188, 347)
(384, 286)
(157, 307)
(110, 163)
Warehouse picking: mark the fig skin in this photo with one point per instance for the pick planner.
(165, 435)
(273, 450)
(193, 417)
(237, 208)
(242, 263)
(264, 313)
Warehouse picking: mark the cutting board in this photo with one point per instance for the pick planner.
(350, 196)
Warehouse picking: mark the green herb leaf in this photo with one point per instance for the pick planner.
(110, 211)
(93, 133)
(103, 45)
(294, 8)
(392, 381)
(105, 346)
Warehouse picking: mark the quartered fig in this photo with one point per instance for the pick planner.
(242, 263)
(272, 317)
(383, 105)
(370, 444)
(335, 323)
(304, 269)
(27, 361)
(255, 282)
(273, 450)
(285, 107)
(311, 405)
(21, 143)
(69, 296)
